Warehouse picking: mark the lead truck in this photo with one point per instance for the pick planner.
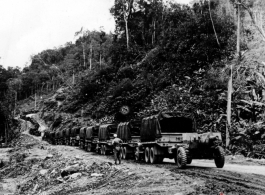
(173, 135)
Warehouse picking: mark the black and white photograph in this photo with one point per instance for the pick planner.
(132, 97)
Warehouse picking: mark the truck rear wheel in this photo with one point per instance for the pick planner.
(153, 157)
(101, 149)
(125, 155)
(181, 158)
(122, 153)
(104, 150)
(89, 147)
(98, 149)
(219, 157)
(147, 155)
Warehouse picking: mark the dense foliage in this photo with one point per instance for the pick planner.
(162, 56)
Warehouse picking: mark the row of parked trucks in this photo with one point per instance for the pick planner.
(166, 135)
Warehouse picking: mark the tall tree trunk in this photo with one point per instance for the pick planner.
(127, 31)
(84, 55)
(100, 59)
(90, 59)
(238, 29)
(230, 83)
(213, 23)
(154, 32)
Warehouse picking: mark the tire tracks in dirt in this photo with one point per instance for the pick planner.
(227, 182)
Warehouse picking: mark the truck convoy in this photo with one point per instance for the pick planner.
(165, 135)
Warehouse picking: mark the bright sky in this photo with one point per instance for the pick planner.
(29, 26)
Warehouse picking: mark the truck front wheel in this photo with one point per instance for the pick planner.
(219, 157)
(147, 155)
(122, 153)
(153, 157)
(181, 158)
(89, 147)
(125, 155)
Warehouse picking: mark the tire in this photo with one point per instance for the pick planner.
(137, 154)
(98, 149)
(125, 155)
(106, 152)
(122, 153)
(103, 151)
(147, 155)
(189, 158)
(89, 147)
(181, 158)
(219, 157)
(153, 157)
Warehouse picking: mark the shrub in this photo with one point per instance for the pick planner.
(124, 86)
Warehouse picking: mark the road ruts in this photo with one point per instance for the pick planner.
(226, 182)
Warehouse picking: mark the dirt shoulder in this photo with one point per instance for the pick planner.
(41, 171)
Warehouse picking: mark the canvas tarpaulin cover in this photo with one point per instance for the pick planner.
(124, 131)
(177, 123)
(57, 134)
(52, 134)
(106, 131)
(127, 130)
(74, 131)
(62, 133)
(67, 132)
(82, 133)
(91, 132)
(150, 129)
(153, 126)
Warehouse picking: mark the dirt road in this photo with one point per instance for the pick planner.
(209, 164)
(198, 178)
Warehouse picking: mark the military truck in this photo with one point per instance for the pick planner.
(129, 133)
(174, 136)
(91, 139)
(74, 136)
(82, 136)
(105, 136)
(67, 136)
(51, 137)
(57, 137)
(61, 137)
(45, 136)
